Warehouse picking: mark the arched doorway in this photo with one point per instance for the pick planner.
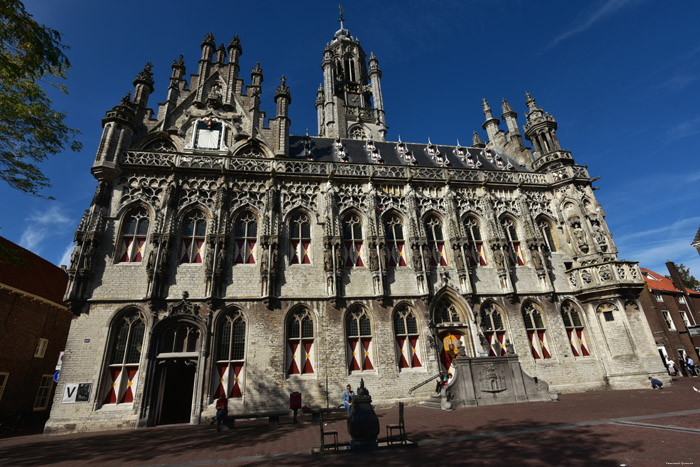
(451, 329)
(177, 361)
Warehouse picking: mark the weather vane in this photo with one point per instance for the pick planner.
(340, 7)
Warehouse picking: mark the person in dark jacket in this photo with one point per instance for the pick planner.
(655, 383)
(221, 411)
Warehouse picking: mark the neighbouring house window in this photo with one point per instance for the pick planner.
(245, 238)
(194, 229)
(515, 255)
(669, 321)
(684, 317)
(4, 376)
(436, 242)
(536, 331)
(494, 329)
(546, 230)
(300, 239)
(406, 333)
(41, 402)
(359, 340)
(230, 354)
(681, 299)
(134, 233)
(659, 298)
(395, 245)
(125, 355)
(352, 240)
(574, 329)
(40, 349)
(300, 343)
(475, 246)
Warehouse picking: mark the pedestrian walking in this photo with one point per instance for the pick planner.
(221, 411)
(671, 366)
(655, 383)
(691, 366)
(347, 398)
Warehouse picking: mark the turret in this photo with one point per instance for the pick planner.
(234, 52)
(319, 110)
(143, 86)
(256, 76)
(375, 74)
(208, 46)
(541, 131)
(220, 55)
(117, 128)
(283, 99)
(477, 142)
(490, 124)
(509, 116)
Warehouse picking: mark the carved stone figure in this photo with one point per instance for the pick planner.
(151, 263)
(221, 258)
(536, 258)
(498, 258)
(87, 259)
(327, 258)
(74, 257)
(373, 258)
(384, 258)
(458, 258)
(264, 260)
(275, 258)
(417, 263)
(209, 259)
(339, 263)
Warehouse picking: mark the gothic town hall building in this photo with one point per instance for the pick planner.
(222, 254)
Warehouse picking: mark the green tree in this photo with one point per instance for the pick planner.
(687, 278)
(31, 58)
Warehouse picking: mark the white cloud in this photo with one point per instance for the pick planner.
(41, 224)
(65, 259)
(670, 228)
(610, 7)
(683, 129)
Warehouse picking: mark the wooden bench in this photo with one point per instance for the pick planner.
(318, 412)
(273, 417)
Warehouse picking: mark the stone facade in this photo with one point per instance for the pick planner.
(220, 254)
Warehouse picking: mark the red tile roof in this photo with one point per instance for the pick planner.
(23, 270)
(658, 282)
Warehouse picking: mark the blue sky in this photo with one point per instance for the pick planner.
(622, 78)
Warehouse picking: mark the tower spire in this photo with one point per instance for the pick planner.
(340, 15)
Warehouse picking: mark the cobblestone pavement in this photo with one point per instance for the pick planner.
(601, 428)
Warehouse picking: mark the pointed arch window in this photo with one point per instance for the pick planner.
(358, 327)
(536, 331)
(230, 355)
(352, 240)
(395, 244)
(300, 343)
(494, 330)
(575, 329)
(475, 246)
(407, 338)
(134, 234)
(546, 231)
(124, 358)
(245, 238)
(436, 242)
(194, 229)
(300, 239)
(511, 232)
(180, 338)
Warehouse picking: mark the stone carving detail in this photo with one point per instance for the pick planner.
(147, 158)
(538, 203)
(146, 189)
(184, 307)
(491, 379)
(251, 151)
(249, 192)
(621, 273)
(468, 200)
(586, 277)
(605, 273)
(300, 194)
(202, 162)
(572, 279)
(505, 201)
(198, 190)
(351, 196)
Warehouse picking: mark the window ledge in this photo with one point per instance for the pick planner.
(116, 407)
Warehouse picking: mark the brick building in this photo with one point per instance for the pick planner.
(672, 311)
(34, 323)
(222, 254)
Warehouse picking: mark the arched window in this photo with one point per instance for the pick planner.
(406, 332)
(546, 230)
(359, 339)
(395, 244)
(124, 358)
(515, 255)
(300, 343)
(180, 338)
(574, 329)
(493, 328)
(230, 354)
(536, 331)
(436, 242)
(352, 240)
(446, 313)
(475, 246)
(194, 229)
(300, 239)
(245, 237)
(134, 233)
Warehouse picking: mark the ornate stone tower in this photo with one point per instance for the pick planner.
(349, 102)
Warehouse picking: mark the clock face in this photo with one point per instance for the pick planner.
(354, 99)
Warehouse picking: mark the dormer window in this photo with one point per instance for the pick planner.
(208, 134)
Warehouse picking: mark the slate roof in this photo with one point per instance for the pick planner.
(30, 273)
(660, 283)
(324, 149)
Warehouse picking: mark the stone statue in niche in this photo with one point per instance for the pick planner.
(209, 259)
(339, 263)
(373, 257)
(74, 257)
(221, 258)
(87, 258)
(264, 260)
(458, 257)
(599, 237)
(384, 258)
(536, 257)
(498, 257)
(327, 258)
(417, 263)
(151, 263)
(275, 257)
